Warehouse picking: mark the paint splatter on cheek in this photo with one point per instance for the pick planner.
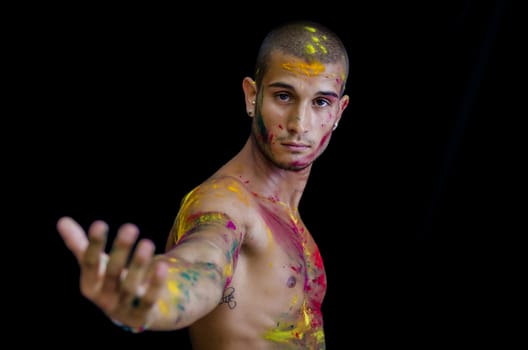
(324, 140)
(263, 131)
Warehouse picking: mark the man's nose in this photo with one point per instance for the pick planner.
(299, 120)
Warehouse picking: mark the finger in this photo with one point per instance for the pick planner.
(137, 269)
(121, 248)
(97, 234)
(94, 259)
(157, 276)
(73, 236)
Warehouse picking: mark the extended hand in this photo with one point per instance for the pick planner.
(125, 292)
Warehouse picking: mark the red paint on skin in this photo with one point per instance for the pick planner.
(241, 179)
(270, 138)
(312, 156)
(318, 261)
(296, 269)
(319, 280)
(323, 140)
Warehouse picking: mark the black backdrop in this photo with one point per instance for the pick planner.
(135, 106)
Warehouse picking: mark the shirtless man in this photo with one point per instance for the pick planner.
(240, 268)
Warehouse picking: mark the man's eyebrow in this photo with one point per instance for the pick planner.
(290, 87)
(328, 93)
(282, 85)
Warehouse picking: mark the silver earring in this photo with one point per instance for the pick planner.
(335, 126)
(253, 102)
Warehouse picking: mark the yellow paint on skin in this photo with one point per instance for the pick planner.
(307, 316)
(308, 69)
(163, 307)
(207, 218)
(228, 270)
(235, 188)
(280, 337)
(295, 300)
(311, 49)
(172, 286)
(297, 332)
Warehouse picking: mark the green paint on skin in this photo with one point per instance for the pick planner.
(263, 131)
(189, 277)
(196, 221)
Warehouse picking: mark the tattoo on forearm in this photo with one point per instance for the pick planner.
(229, 298)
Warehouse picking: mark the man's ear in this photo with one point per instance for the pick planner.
(343, 103)
(250, 95)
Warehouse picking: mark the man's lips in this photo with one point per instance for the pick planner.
(295, 145)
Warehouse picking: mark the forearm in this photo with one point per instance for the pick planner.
(191, 291)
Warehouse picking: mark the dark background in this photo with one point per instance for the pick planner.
(413, 204)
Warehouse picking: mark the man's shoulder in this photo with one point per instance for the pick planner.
(219, 188)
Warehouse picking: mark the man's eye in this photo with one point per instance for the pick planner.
(321, 103)
(283, 97)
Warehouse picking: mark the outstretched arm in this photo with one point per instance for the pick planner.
(161, 292)
(139, 289)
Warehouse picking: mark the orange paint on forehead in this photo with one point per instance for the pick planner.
(308, 69)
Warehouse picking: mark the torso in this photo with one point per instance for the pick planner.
(274, 299)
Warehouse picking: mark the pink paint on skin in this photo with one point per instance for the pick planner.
(341, 82)
(286, 234)
(292, 239)
(231, 225)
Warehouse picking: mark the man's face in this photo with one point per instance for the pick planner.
(298, 105)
